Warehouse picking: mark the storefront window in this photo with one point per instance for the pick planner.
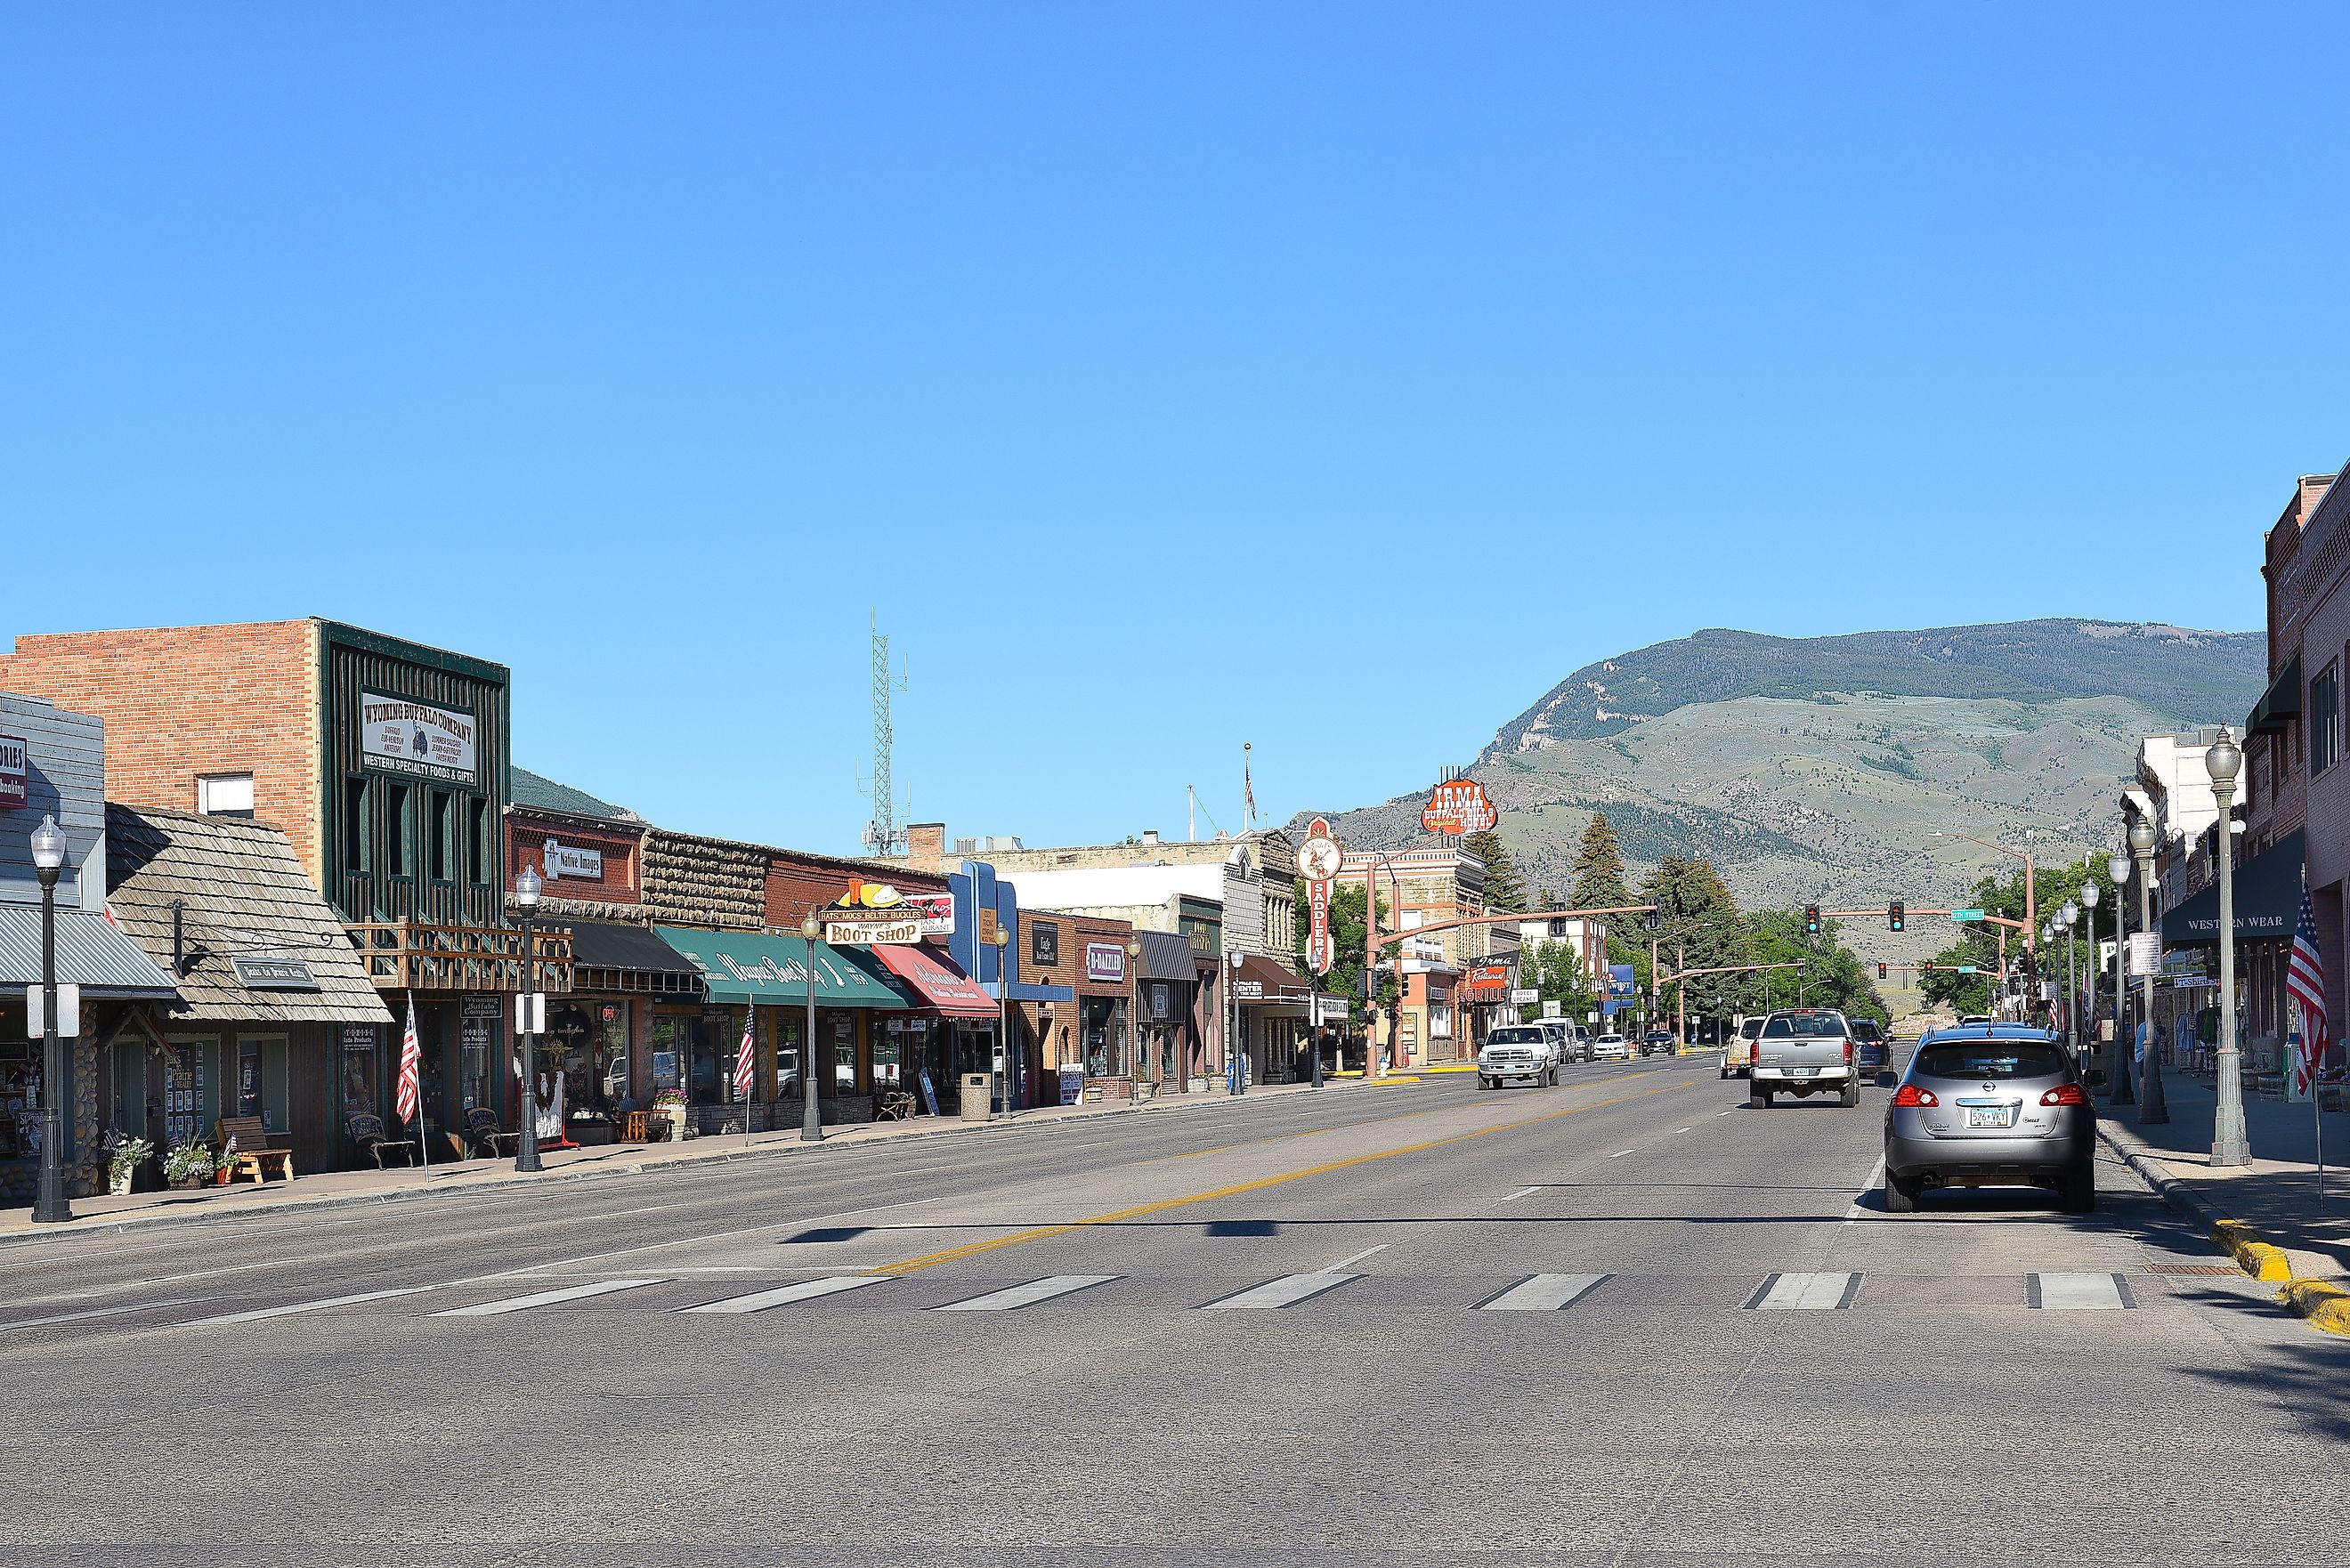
(20, 1097)
(889, 1053)
(248, 1077)
(187, 1091)
(1103, 1026)
(588, 1043)
(787, 1055)
(612, 1046)
(844, 1053)
(671, 1037)
(358, 1072)
(477, 1052)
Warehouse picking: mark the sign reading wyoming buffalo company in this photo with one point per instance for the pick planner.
(401, 735)
(15, 775)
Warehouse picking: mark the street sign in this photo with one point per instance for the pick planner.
(1963, 915)
(1550, 1009)
(1966, 968)
(1524, 994)
(68, 1010)
(1457, 807)
(2146, 952)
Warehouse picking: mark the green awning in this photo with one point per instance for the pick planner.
(772, 970)
(2280, 705)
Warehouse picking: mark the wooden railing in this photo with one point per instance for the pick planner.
(417, 955)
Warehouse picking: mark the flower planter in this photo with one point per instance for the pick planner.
(220, 1176)
(118, 1182)
(192, 1183)
(675, 1116)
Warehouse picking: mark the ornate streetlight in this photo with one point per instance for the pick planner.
(2091, 896)
(527, 887)
(2230, 1146)
(811, 1115)
(2153, 1109)
(49, 1206)
(1003, 1021)
(2117, 867)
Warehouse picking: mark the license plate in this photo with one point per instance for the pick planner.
(1987, 1116)
(1804, 1072)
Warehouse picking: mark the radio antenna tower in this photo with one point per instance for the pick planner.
(883, 837)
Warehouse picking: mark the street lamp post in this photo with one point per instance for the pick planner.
(1004, 1022)
(2230, 1146)
(527, 887)
(2153, 1109)
(811, 1111)
(2071, 915)
(49, 1207)
(2091, 897)
(2117, 867)
(1236, 1058)
(1133, 1016)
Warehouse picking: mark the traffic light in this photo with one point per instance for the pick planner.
(1894, 914)
(1880, 972)
(1926, 968)
(1811, 920)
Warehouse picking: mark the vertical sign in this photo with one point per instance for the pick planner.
(1318, 858)
(16, 773)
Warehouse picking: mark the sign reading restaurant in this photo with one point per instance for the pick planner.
(401, 735)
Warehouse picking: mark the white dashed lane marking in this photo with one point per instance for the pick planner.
(1542, 1292)
(545, 1298)
(785, 1295)
(1286, 1291)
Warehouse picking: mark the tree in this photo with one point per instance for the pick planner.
(1552, 968)
(1832, 975)
(1700, 929)
(1505, 890)
(1599, 868)
(1347, 935)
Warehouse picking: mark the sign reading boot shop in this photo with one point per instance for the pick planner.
(401, 735)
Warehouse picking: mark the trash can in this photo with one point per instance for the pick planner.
(978, 1095)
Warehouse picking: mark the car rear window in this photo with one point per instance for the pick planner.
(1514, 1037)
(1802, 1025)
(1864, 1029)
(1989, 1059)
(1750, 1028)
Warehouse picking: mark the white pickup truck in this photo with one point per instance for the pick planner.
(1518, 1050)
(1804, 1051)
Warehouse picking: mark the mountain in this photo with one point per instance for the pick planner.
(1814, 768)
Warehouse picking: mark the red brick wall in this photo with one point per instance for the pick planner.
(526, 837)
(799, 883)
(184, 700)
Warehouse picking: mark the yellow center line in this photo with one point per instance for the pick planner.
(1044, 1232)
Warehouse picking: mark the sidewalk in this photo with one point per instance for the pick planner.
(342, 1189)
(2276, 1194)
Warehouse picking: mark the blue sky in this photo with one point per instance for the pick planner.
(1335, 379)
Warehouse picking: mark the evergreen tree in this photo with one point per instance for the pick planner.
(1505, 890)
(1552, 968)
(1702, 929)
(1599, 869)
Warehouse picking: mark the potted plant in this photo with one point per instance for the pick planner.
(228, 1163)
(124, 1155)
(190, 1164)
(670, 1105)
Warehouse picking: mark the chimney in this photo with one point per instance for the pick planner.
(926, 844)
(1151, 836)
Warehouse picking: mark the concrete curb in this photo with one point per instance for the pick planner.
(780, 1149)
(2318, 1302)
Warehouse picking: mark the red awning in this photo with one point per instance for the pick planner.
(943, 988)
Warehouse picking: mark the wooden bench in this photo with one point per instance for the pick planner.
(254, 1154)
(484, 1137)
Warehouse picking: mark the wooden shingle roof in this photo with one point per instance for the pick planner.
(245, 895)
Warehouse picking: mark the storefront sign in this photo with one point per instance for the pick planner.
(1485, 977)
(1044, 943)
(274, 974)
(1458, 806)
(988, 925)
(1248, 991)
(1157, 1001)
(935, 910)
(1105, 963)
(16, 773)
(863, 927)
(401, 735)
(1318, 860)
(565, 860)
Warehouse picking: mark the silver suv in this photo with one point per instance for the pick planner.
(1994, 1105)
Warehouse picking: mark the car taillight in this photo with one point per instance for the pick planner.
(2065, 1094)
(1911, 1095)
(1847, 1044)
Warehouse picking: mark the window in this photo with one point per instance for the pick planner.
(359, 828)
(399, 833)
(441, 843)
(224, 794)
(248, 1077)
(2324, 720)
(479, 843)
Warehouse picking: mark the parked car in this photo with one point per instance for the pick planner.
(1876, 1050)
(1611, 1048)
(1517, 1051)
(1991, 1105)
(1561, 1039)
(1657, 1042)
(1737, 1056)
(1803, 1051)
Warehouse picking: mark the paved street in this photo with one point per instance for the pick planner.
(1627, 1320)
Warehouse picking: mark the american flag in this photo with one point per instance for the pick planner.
(2305, 978)
(405, 1096)
(745, 1055)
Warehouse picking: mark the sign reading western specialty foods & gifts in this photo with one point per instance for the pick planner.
(401, 735)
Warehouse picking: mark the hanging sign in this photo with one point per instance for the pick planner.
(1105, 963)
(1458, 806)
(401, 735)
(16, 773)
(1318, 860)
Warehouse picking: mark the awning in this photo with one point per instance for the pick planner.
(1263, 981)
(772, 969)
(607, 957)
(91, 954)
(2280, 705)
(2266, 895)
(937, 985)
(1167, 955)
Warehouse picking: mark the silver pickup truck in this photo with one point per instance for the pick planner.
(1804, 1051)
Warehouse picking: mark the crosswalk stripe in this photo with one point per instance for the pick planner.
(1542, 1292)
(1029, 1294)
(1286, 1291)
(545, 1298)
(2074, 1292)
(783, 1295)
(95, 1312)
(1806, 1293)
(300, 1307)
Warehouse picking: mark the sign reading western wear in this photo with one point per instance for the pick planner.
(15, 775)
(1106, 962)
(401, 735)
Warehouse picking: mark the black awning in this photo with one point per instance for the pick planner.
(1167, 956)
(630, 950)
(2266, 895)
(2280, 705)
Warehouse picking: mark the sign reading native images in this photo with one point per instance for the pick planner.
(401, 735)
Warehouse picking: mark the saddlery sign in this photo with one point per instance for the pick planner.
(401, 735)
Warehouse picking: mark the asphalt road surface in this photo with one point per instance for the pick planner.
(1624, 1320)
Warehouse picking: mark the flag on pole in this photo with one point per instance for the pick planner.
(2304, 979)
(746, 1055)
(404, 1098)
